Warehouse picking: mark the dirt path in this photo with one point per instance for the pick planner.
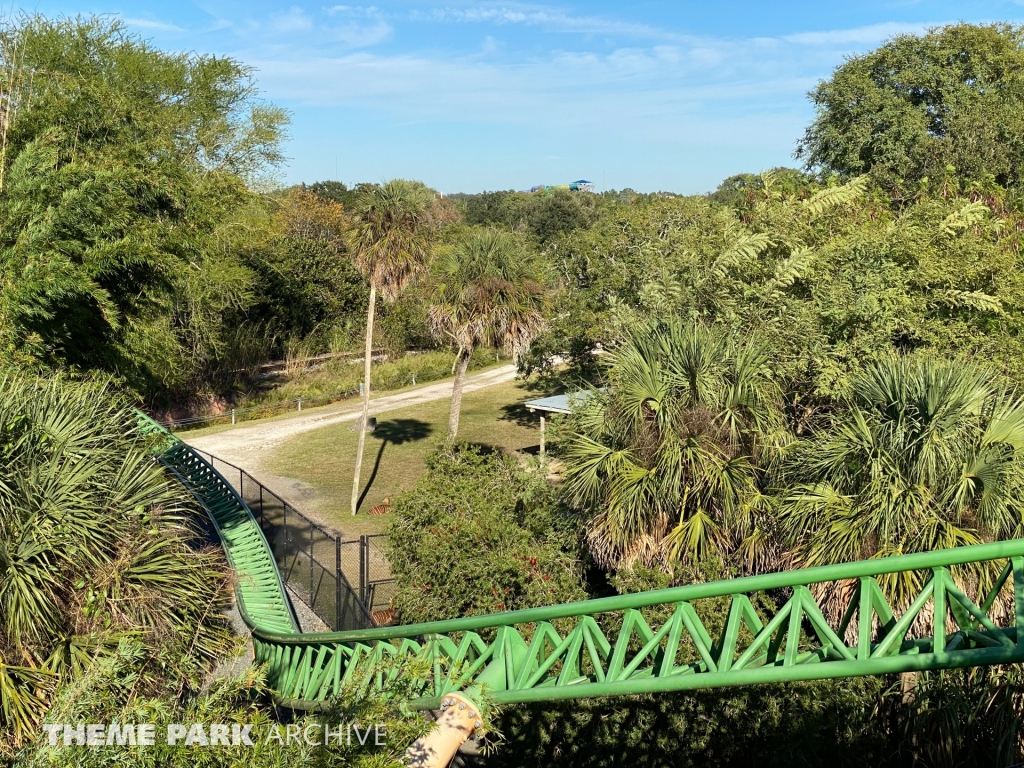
(246, 445)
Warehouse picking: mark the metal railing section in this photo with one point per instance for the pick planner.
(616, 646)
(757, 629)
(324, 571)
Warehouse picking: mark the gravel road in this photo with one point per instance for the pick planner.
(245, 445)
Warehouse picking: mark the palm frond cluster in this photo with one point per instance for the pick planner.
(391, 234)
(487, 292)
(670, 455)
(925, 455)
(94, 548)
(686, 455)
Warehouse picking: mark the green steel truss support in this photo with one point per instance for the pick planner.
(615, 646)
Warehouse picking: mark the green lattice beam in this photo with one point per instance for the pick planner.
(611, 649)
(612, 646)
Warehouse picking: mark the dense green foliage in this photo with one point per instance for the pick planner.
(309, 289)
(964, 718)
(108, 693)
(337, 192)
(956, 718)
(95, 550)
(480, 534)
(924, 455)
(543, 216)
(835, 278)
(124, 175)
(806, 724)
(941, 111)
(669, 454)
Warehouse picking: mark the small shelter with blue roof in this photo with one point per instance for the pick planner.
(555, 404)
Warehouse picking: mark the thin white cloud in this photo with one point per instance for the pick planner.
(543, 17)
(631, 91)
(296, 32)
(873, 33)
(358, 11)
(358, 35)
(156, 26)
(293, 20)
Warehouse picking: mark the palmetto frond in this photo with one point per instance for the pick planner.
(391, 234)
(927, 455)
(667, 458)
(23, 696)
(92, 542)
(488, 290)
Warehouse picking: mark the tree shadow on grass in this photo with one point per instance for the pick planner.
(396, 432)
(520, 414)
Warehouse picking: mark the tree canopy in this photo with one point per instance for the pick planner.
(126, 170)
(942, 109)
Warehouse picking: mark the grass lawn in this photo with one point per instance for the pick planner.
(394, 458)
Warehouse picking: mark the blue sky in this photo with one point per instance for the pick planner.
(473, 96)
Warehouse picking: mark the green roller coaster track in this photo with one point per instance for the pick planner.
(606, 647)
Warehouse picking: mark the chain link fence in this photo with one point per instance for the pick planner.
(342, 582)
(376, 587)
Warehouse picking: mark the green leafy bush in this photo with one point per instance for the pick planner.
(480, 534)
(108, 693)
(830, 722)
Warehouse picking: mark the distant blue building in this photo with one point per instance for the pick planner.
(577, 186)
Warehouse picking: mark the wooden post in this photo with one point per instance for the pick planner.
(364, 570)
(300, 402)
(542, 452)
(232, 415)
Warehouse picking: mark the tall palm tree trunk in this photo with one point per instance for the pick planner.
(457, 385)
(366, 395)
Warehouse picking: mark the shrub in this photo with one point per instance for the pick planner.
(480, 534)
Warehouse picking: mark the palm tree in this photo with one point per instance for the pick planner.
(926, 455)
(391, 245)
(486, 290)
(667, 457)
